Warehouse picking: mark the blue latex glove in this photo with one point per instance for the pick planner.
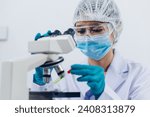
(38, 76)
(38, 35)
(93, 75)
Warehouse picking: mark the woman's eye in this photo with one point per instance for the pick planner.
(97, 30)
(81, 31)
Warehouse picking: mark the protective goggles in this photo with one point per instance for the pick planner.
(99, 29)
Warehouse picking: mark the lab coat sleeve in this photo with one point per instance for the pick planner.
(109, 94)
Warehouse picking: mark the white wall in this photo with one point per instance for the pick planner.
(135, 39)
(25, 18)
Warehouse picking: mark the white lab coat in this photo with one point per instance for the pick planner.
(125, 80)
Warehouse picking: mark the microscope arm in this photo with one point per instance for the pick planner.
(13, 79)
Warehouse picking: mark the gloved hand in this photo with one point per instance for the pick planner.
(93, 75)
(38, 76)
(38, 35)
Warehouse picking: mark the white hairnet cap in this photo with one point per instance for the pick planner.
(99, 10)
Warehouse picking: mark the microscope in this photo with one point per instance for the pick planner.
(44, 53)
(57, 44)
(53, 44)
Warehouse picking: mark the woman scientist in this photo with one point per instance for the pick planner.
(107, 75)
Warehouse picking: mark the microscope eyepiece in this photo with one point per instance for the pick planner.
(70, 31)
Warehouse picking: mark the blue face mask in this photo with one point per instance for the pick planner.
(95, 47)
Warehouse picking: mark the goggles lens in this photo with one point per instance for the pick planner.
(99, 29)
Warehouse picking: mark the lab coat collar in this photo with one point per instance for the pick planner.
(117, 71)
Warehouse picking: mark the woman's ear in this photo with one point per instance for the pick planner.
(112, 37)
